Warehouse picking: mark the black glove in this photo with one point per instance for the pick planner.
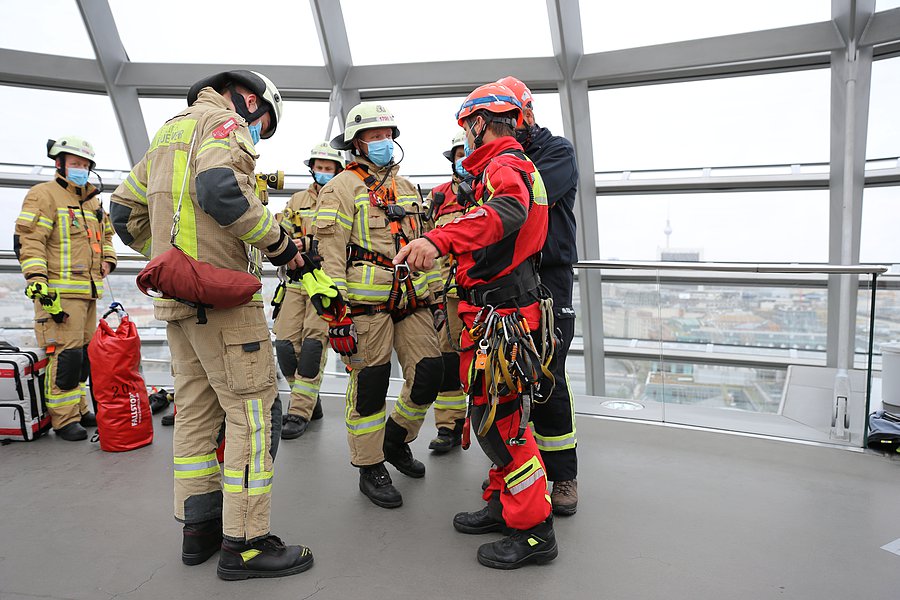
(438, 315)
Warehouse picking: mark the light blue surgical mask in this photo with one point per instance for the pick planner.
(323, 178)
(460, 170)
(381, 152)
(466, 148)
(255, 131)
(77, 176)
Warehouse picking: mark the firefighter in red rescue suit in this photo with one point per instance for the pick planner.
(63, 240)
(507, 342)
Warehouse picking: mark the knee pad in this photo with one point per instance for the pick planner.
(427, 380)
(85, 365)
(451, 372)
(310, 358)
(371, 389)
(287, 358)
(68, 368)
(275, 429)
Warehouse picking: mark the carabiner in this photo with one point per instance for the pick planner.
(401, 268)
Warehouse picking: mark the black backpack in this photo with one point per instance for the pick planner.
(884, 431)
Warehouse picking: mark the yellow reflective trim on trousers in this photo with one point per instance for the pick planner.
(147, 247)
(189, 460)
(307, 389)
(566, 441)
(361, 425)
(261, 228)
(365, 425)
(411, 412)
(190, 467)
(523, 472)
(450, 401)
(259, 481)
(186, 237)
(554, 443)
(233, 481)
(175, 132)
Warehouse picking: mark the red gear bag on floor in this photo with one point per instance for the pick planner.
(123, 410)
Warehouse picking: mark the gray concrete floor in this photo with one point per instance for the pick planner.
(665, 513)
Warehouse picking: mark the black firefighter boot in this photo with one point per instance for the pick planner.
(536, 545)
(200, 541)
(398, 453)
(293, 426)
(317, 410)
(487, 520)
(447, 438)
(266, 557)
(376, 484)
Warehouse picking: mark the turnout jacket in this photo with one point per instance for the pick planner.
(347, 216)
(448, 210)
(506, 225)
(299, 218)
(206, 151)
(63, 235)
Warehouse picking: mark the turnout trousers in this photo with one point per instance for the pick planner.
(301, 337)
(224, 369)
(68, 368)
(517, 483)
(415, 341)
(554, 420)
(450, 404)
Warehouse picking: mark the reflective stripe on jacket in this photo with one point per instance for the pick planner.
(300, 217)
(222, 221)
(63, 238)
(347, 216)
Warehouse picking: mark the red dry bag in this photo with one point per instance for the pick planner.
(123, 410)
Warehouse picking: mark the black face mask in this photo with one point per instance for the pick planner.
(523, 136)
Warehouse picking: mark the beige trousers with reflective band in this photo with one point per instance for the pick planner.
(225, 368)
(65, 406)
(413, 339)
(450, 405)
(298, 321)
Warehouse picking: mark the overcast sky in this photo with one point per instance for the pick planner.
(757, 120)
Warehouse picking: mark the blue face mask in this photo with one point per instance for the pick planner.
(381, 152)
(466, 148)
(457, 166)
(77, 176)
(323, 178)
(255, 131)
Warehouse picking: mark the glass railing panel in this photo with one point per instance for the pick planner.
(744, 351)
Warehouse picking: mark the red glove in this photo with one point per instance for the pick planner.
(342, 336)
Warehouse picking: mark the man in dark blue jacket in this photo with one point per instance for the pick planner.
(554, 421)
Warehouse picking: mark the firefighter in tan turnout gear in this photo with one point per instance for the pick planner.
(450, 405)
(365, 215)
(63, 240)
(199, 174)
(300, 335)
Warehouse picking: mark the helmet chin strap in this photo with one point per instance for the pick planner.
(240, 105)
